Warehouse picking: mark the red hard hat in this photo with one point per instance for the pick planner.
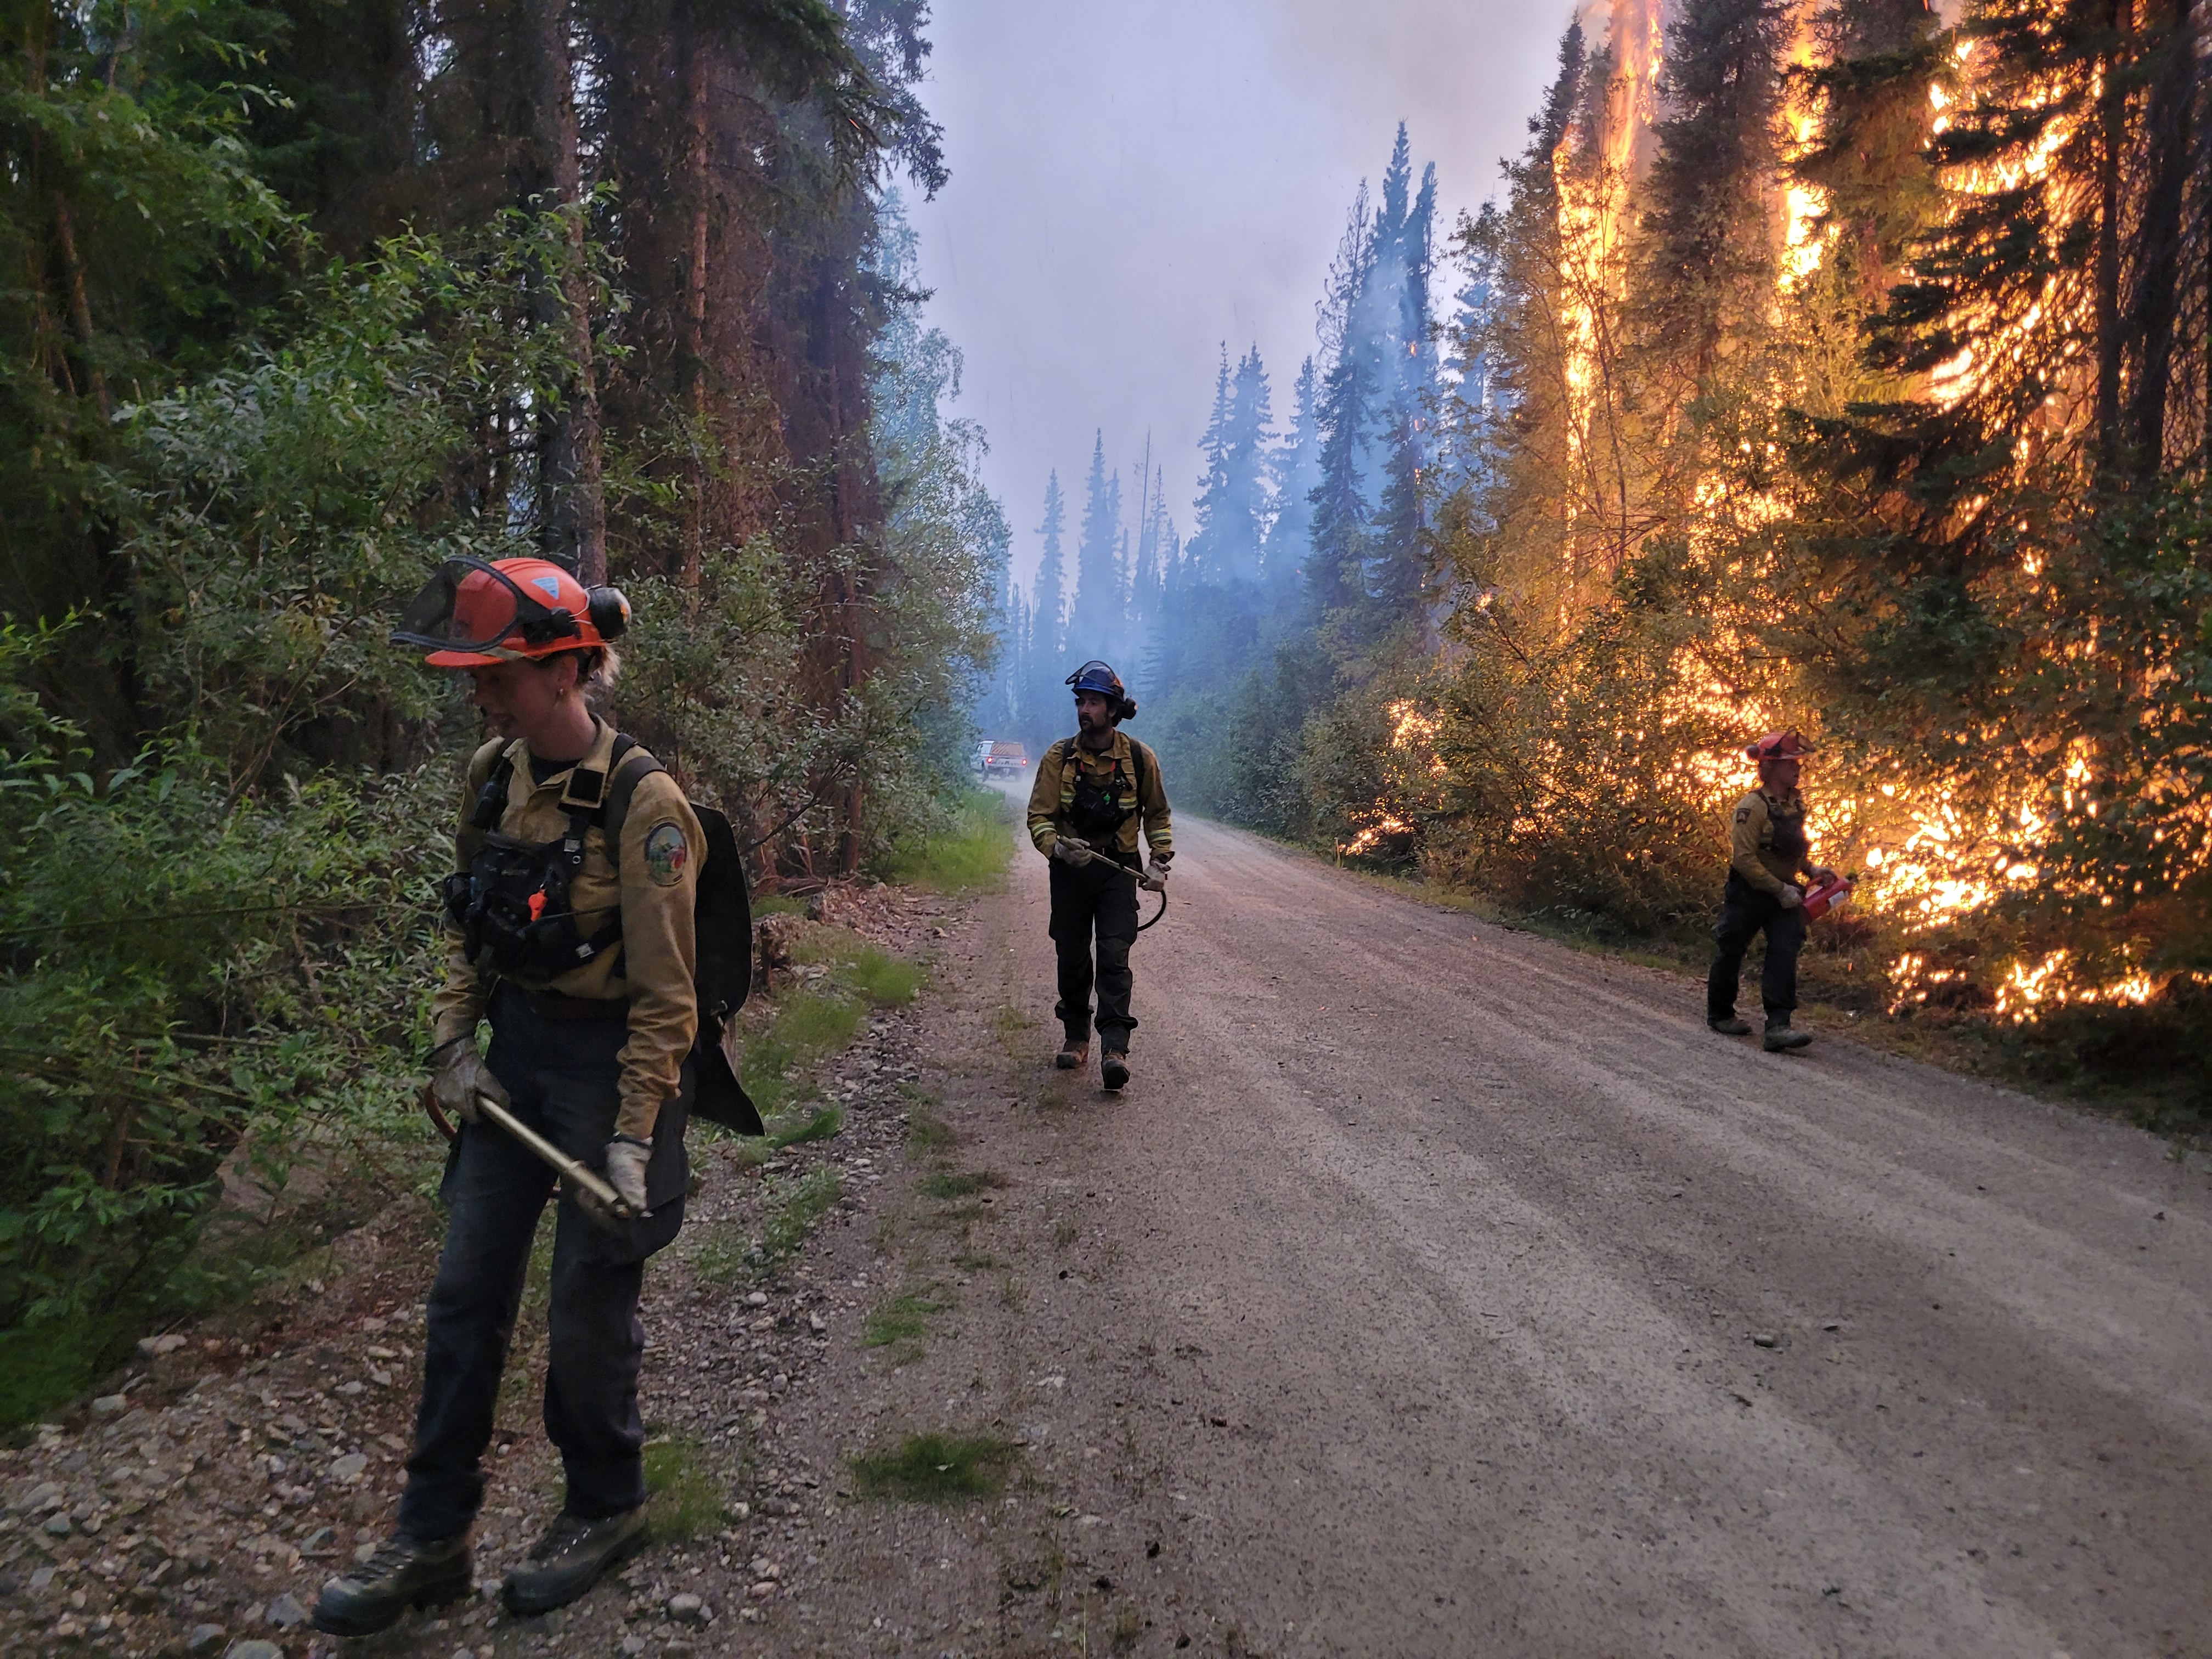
(1778, 746)
(471, 615)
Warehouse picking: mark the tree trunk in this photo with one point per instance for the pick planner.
(699, 184)
(2169, 136)
(80, 306)
(570, 470)
(2110, 139)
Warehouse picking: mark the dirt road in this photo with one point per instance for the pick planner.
(1436, 1290)
(1432, 1290)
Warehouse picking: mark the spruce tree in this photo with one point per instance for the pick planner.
(1707, 263)
(1477, 398)
(1867, 151)
(1344, 417)
(1248, 503)
(1234, 502)
(2032, 353)
(1095, 619)
(1212, 531)
(1048, 605)
(1295, 469)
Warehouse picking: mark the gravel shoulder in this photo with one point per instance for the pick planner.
(1432, 1290)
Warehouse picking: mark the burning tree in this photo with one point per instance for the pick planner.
(1851, 374)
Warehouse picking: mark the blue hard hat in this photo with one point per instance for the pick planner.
(1096, 675)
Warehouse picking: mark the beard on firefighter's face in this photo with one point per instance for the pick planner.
(1095, 714)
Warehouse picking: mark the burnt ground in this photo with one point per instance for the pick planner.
(1433, 1290)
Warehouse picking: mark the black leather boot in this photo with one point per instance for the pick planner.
(405, 1572)
(1780, 1039)
(569, 1558)
(1114, 1068)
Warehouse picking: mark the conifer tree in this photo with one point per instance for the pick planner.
(1250, 503)
(1158, 550)
(1866, 153)
(1095, 619)
(1344, 417)
(1477, 395)
(1211, 532)
(1235, 503)
(1047, 607)
(2034, 352)
(1707, 264)
(1295, 467)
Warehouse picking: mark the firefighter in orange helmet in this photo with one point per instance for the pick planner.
(1769, 858)
(571, 932)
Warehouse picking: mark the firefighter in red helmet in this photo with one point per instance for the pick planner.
(1769, 859)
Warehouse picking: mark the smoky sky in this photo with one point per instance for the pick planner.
(1135, 182)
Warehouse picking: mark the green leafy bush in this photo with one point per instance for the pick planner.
(201, 989)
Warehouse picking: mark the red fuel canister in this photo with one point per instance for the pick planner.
(1824, 896)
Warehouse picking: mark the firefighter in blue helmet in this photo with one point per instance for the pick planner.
(1097, 799)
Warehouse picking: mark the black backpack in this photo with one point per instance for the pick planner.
(721, 909)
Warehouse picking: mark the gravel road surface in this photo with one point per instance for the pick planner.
(1438, 1290)
(1434, 1290)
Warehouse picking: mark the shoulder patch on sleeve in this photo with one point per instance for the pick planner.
(1743, 815)
(666, 852)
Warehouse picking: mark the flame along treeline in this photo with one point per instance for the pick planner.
(1844, 366)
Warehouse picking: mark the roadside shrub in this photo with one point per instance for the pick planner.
(199, 988)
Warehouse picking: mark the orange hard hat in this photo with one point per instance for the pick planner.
(1778, 746)
(472, 614)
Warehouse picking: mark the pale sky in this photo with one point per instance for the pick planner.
(1134, 182)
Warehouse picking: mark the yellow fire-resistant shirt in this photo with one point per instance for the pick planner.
(1751, 840)
(1142, 793)
(662, 850)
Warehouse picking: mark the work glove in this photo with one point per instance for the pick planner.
(459, 1075)
(1154, 880)
(1791, 898)
(1073, 851)
(627, 1158)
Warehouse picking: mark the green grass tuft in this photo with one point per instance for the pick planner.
(926, 1132)
(719, 1253)
(886, 981)
(936, 1468)
(823, 1126)
(682, 1499)
(969, 856)
(805, 1026)
(793, 1209)
(902, 1322)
